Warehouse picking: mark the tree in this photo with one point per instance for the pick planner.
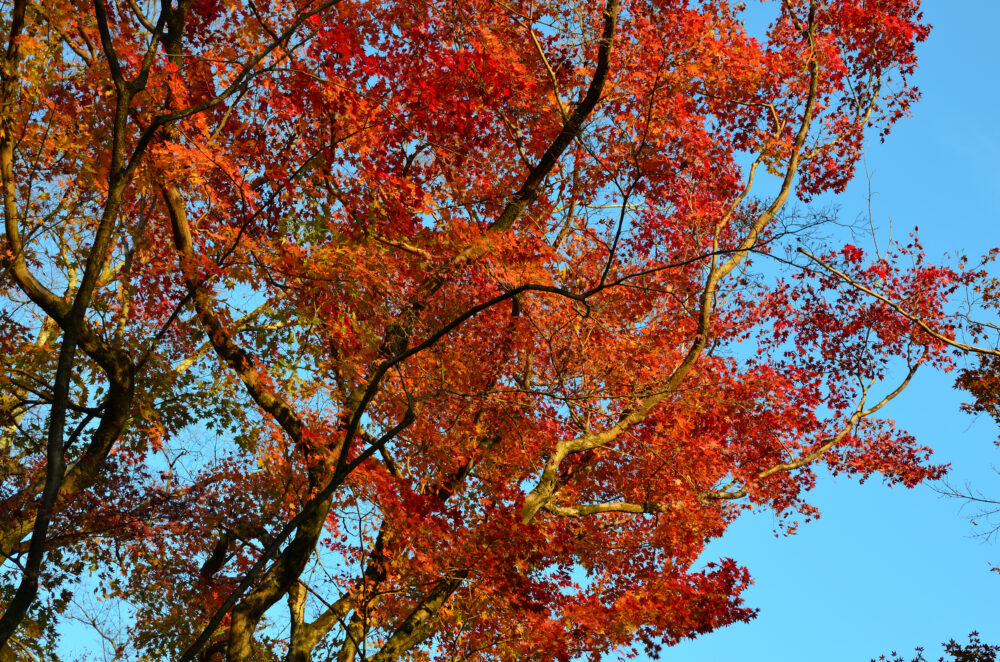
(360, 330)
(975, 651)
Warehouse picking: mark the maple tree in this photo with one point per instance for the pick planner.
(430, 330)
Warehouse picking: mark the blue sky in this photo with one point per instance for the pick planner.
(884, 568)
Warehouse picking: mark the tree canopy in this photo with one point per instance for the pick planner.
(362, 330)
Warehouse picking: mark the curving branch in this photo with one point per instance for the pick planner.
(916, 319)
(612, 507)
(544, 490)
(860, 413)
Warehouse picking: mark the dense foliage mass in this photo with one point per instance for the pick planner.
(363, 330)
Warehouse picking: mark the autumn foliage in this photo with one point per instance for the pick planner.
(363, 330)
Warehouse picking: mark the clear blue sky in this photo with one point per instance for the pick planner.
(894, 568)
